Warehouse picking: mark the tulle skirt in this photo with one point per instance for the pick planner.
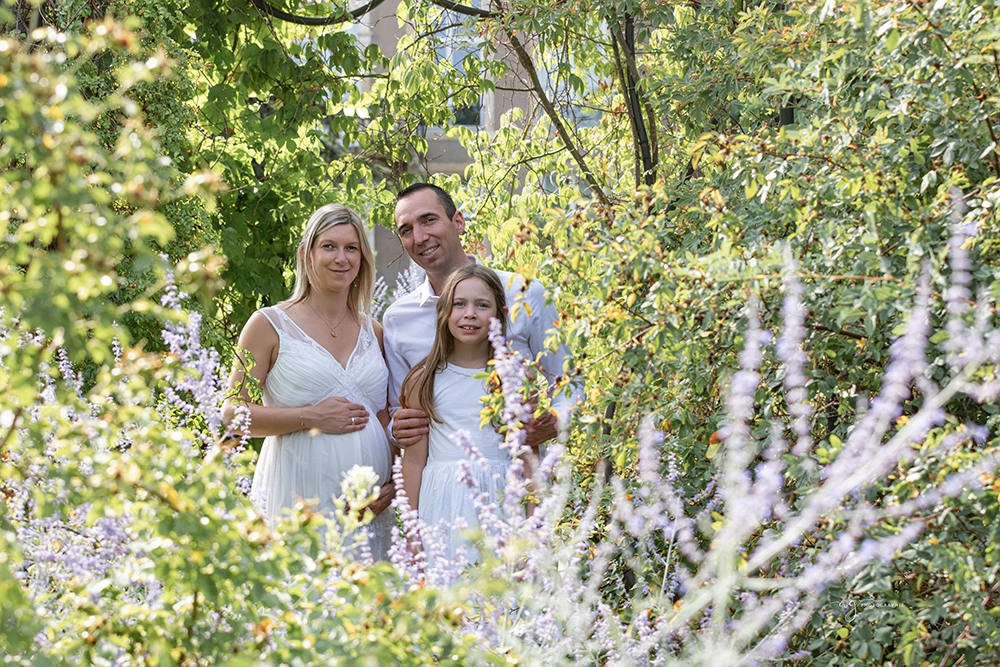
(299, 466)
(444, 499)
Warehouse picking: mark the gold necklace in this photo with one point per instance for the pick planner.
(333, 330)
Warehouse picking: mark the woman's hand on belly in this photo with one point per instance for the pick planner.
(335, 415)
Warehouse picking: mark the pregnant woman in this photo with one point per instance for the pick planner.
(319, 359)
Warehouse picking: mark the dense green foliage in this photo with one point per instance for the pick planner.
(94, 471)
(894, 110)
(652, 256)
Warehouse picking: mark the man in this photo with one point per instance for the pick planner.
(429, 226)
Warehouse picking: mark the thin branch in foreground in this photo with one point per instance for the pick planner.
(550, 110)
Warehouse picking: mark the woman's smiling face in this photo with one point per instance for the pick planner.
(335, 258)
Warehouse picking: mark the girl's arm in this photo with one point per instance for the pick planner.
(415, 455)
(260, 340)
(414, 460)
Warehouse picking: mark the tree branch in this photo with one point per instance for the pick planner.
(626, 39)
(265, 7)
(465, 9)
(620, 70)
(550, 110)
(13, 427)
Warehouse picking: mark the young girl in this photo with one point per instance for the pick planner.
(443, 386)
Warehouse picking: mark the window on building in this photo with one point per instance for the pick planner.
(456, 45)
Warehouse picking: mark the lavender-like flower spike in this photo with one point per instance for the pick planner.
(73, 378)
(649, 456)
(409, 564)
(240, 424)
(199, 387)
(513, 372)
(407, 281)
(958, 257)
(512, 369)
(379, 297)
(789, 349)
(736, 434)
(907, 363)
(492, 525)
(957, 295)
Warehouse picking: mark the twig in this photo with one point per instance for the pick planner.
(13, 425)
(989, 596)
(265, 8)
(842, 332)
(804, 156)
(951, 649)
(550, 110)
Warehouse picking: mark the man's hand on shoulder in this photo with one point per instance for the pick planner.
(541, 429)
(409, 425)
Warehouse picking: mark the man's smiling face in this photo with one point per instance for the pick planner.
(429, 237)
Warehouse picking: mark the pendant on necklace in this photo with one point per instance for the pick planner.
(333, 333)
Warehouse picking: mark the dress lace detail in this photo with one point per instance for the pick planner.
(300, 466)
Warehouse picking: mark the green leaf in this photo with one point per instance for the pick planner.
(892, 39)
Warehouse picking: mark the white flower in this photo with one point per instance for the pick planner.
(360, 486)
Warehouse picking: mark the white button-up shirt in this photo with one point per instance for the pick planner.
(410, 323)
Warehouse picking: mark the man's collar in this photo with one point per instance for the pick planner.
(425, 295)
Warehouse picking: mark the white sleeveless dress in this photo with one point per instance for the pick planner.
(298, 465)
(442, 496)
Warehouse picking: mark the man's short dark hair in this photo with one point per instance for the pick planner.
(443, 197)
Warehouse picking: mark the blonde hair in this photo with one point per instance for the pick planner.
(420, 380)
(359, 296)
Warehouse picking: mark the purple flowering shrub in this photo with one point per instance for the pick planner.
(736, 575)
(772, 557)
(126, 534)
(802, 450)
(124, 538)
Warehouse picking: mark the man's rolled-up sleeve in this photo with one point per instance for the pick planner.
(398, 368)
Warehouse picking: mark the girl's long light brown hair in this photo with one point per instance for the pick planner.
(419, 382)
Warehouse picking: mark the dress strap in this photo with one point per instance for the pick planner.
(273, 316)
(283, 324)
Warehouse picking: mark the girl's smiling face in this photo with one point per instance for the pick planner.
(471, 310)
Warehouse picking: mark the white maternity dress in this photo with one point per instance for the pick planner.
(298, 465)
